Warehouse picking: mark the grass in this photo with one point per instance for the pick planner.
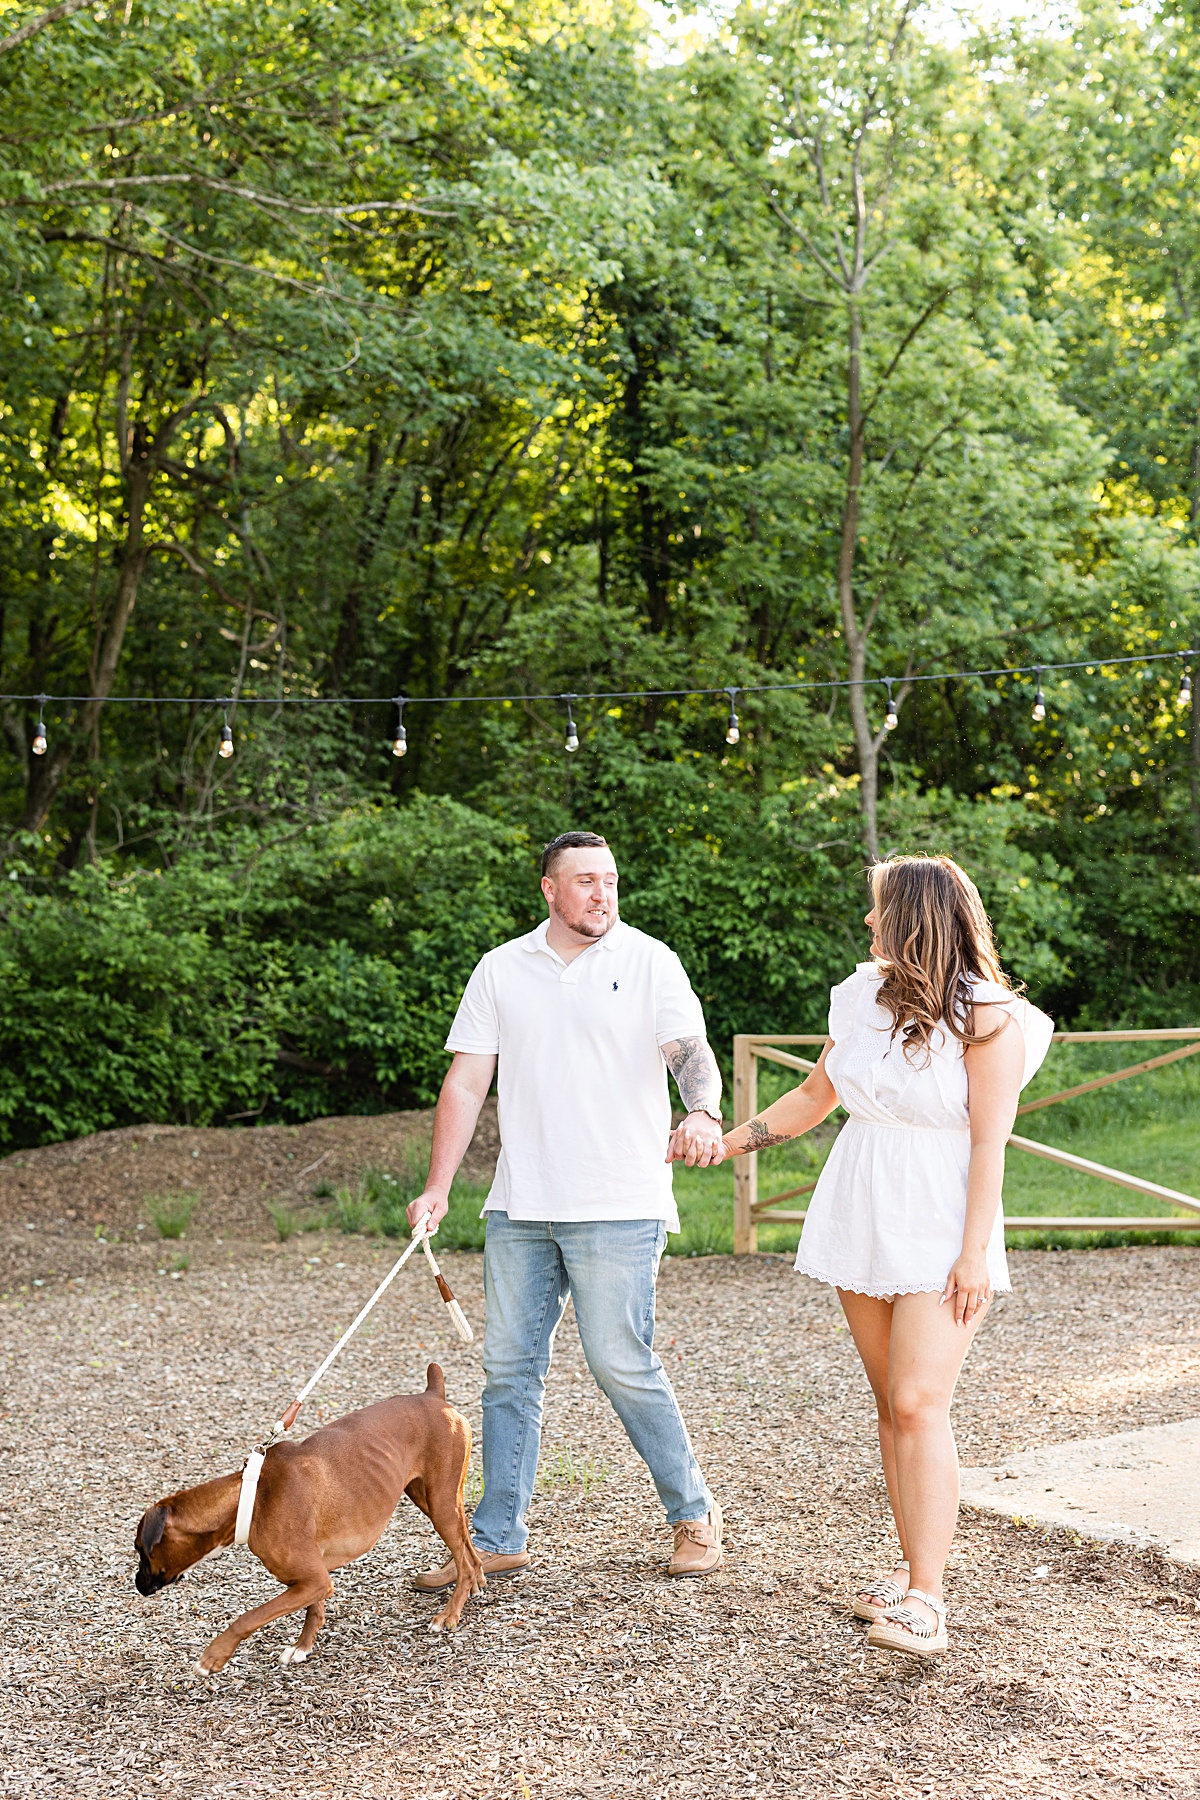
(172, 1213)
(378, 1205)
(287, 1220)
(559, 1468)
(352, 1212)
(1148, 1126)
(563, 1469)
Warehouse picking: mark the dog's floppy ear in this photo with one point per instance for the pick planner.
(435, 1381)
(149, 1532)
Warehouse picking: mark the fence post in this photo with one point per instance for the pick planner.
(745, 1169)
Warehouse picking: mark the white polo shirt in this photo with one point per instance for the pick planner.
(585, 1114)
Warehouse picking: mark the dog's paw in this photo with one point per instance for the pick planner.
(294, 1654)
(199, 1668)
(436, 1626)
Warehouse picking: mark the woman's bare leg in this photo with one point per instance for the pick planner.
(870, 1322)
(926, 1350)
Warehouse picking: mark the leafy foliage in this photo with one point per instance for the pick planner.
(377, 349)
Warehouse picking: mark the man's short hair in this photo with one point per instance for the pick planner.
(570, 840)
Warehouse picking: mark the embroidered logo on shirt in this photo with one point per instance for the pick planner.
(614, 987)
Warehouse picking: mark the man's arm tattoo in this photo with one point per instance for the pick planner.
(762, 1137)
(696, 1074)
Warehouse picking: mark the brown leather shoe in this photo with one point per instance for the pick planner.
(698, 1545)
(495, 1568)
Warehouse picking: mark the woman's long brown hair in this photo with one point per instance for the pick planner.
(934, 935)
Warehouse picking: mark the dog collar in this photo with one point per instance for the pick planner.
(247, 1497)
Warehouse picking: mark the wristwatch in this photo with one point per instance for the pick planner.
(708, 1113)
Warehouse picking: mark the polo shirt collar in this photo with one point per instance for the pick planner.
(536, 940)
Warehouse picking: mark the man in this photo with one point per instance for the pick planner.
(585, 1015)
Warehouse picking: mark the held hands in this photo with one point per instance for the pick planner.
(429, 1205)
(697, 1142)
(968, 1287)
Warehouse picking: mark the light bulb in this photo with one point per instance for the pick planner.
(732, 735)
(39, 740)
(1039, 708)
(400, 742)
(890, 718)
(226, 745)
(1185, 690)
(572, 739)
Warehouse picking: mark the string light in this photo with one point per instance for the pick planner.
(399, 736)
(732, 731)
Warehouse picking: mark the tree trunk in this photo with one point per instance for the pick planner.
(377, 504)
(856, 641)
(47, 774)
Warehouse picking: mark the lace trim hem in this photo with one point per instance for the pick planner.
(881, 1293)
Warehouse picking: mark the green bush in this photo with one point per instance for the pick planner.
(117, 1007)
(317, 972)
(313, 975)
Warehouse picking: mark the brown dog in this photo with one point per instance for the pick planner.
(322, 1503)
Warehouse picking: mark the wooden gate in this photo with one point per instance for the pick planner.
(749, 1210)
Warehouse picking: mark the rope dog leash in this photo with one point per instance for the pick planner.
(458, 1317)
(254, 1462)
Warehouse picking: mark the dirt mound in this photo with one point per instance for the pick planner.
(237, 1175)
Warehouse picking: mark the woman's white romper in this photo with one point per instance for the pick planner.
(887, 1214)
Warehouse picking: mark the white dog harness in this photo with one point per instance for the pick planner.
(252, 1468)
(247, 1497)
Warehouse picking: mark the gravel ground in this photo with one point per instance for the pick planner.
(591, 1676)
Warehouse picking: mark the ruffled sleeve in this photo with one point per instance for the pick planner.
(845, 998)
(1036, 1027)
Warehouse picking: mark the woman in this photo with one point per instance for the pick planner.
(928, 1050)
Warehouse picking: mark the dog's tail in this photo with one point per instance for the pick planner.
(435, 1381)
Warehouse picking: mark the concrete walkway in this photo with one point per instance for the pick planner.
(1139, 1487)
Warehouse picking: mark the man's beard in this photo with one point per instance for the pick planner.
(589, 924)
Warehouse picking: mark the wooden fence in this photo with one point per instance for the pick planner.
(749, 1210)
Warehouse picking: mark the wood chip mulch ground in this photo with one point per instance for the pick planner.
(1074, 1670)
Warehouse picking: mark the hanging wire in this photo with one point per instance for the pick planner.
(1090, 663)
(733, 729)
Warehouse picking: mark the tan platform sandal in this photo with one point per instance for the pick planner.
(904, 1629)
(872, 1602)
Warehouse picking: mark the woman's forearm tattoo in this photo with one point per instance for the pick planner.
(696, 1074)
(762, 1137)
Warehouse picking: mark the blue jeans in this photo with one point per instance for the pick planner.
(609, 1268)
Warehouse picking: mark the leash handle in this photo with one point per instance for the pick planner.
(458, 1317)
(420, 1236)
